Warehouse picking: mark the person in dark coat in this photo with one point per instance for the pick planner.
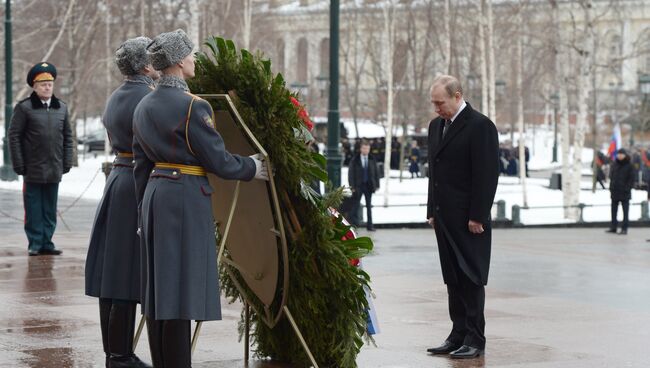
(40, 143)
(621, 180)
(414, 160)
(463, 175)
(363, 178)
(175, 144)
(113, 261)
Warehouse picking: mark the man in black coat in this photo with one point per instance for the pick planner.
(621, 177)
(463, 176)
(40, 142)
(363, 177)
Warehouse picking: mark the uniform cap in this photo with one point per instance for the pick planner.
(41, 72)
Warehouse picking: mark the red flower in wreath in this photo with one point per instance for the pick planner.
(302, 113)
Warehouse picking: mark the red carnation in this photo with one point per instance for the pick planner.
(302, 113)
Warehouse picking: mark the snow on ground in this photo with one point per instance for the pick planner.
(86, 181)
(407, 198)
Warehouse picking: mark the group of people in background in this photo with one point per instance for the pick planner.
(509, 160)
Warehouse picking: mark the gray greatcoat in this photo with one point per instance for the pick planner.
(113, 261)
(177, 225)
(463, 177)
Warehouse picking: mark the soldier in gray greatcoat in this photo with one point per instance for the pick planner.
(113, 261)
(175, 144)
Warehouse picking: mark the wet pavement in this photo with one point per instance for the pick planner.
(556, 298)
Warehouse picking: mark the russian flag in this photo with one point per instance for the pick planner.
(615, 142)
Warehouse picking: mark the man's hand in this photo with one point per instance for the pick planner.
(431, 222)
(475, 227)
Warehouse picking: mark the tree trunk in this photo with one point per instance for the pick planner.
(195, 21)
(389, 24)
(520, 112)
(482, 58)
(490, 61)
(248, 15)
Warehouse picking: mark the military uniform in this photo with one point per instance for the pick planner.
(40, 142)
(175, 143)
(113, 261)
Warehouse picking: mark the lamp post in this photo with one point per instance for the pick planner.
(333, 117)
(6, 171)
(644, 88)
(555, 98)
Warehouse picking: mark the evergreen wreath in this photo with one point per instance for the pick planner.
(326, 292)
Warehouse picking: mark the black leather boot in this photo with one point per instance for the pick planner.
(176, 343)
(154, 332)
(104, 317)
(120, 337)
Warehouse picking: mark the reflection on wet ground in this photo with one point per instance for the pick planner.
(556, 298)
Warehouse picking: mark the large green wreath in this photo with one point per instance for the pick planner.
(326, 292)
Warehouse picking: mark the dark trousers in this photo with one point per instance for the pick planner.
(626, 210)
(466, 305)
(366, 192)
(170, 343)
(40, 214)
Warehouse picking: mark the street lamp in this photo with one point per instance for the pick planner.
(6, 170)
(644, 87)
(321, 83)
(555, 98)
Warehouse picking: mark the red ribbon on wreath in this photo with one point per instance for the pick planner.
(302, 113)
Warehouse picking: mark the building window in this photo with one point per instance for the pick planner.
(324, 57)
(303, 53)
(279, 49)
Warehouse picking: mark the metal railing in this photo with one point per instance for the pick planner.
(516, 210)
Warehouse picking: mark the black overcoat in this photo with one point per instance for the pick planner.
(113, 260)
(621, 177)
(40, 140)
(463, 176)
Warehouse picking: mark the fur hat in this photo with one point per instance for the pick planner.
(131, 57)
(169, 48)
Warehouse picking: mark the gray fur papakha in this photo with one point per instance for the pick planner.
(131, 57)
(169, 48)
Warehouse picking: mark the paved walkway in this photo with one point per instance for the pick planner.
(557, 298)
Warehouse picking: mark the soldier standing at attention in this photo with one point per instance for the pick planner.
(113, 261)
(175, 144)
(40, 142)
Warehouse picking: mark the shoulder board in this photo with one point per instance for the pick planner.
(194, 96)
(24, 99)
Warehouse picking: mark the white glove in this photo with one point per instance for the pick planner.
(261, 171)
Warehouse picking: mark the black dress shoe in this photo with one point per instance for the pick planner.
(613, 231)
(50, 252)
(128, 361)
(32, 253)
(446, 348)
(623, 232)
(466, 352)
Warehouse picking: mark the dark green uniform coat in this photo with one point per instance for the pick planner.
(40, 140)
(113, 261)
(177, 226)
